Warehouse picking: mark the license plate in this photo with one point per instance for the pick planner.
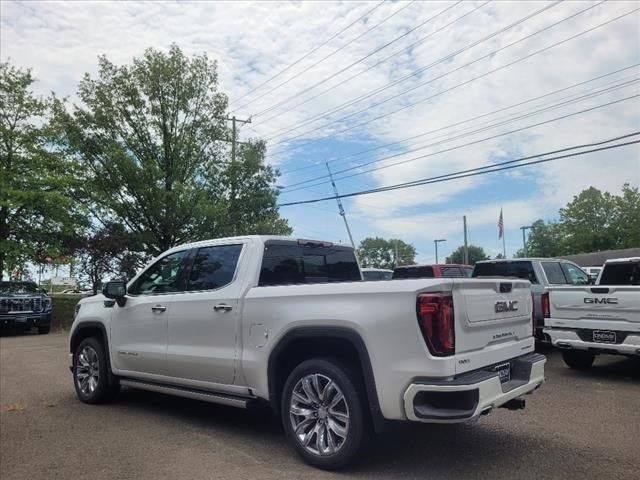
(504, 372)
(604, 336)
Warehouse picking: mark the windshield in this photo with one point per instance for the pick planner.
(18, 287)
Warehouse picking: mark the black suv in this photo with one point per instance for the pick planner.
(23, 306)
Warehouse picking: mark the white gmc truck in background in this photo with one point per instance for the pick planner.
(597, 319)
(291, 323)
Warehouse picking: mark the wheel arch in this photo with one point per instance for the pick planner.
(287, 354)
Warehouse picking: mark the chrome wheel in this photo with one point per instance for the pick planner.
(319, 414)
(87, 371)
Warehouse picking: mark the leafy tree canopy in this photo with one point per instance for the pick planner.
(475, 255)
(154, 145)
(377, 252)
(36, 182)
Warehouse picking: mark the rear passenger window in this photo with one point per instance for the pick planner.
(554, 273)
(213, 267)
(413, 272)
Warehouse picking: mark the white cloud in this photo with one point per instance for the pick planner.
(253, 41)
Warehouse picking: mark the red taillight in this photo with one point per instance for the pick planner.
(546, 309)
(533, 315)
(436, 319)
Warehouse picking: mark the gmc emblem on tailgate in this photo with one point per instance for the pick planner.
(510, 306)
(610, 300)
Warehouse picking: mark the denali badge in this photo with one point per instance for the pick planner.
(610, 300)
(510, 306)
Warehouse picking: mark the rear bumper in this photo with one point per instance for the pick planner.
(26, 320)
(471, 394)
(569, 339)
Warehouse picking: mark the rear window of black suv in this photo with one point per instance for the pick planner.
(290, 262)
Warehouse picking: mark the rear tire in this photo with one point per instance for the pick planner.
(92, 377)
(323, 413)
(578, 360)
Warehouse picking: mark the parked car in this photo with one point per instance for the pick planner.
(542, 273)
(23, 306)
(587, 321)
(376, 274)
(290, 323)
(449, 270)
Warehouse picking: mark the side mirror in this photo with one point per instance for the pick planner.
(115, 289)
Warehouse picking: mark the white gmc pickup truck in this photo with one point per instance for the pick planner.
(291, 323)
(594, 319)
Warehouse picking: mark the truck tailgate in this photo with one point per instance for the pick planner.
(615, 307)
(493, 321)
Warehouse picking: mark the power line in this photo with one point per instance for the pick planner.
(327, 56)
(285, 130)
(385, 59)
(310, 52)
(474, 142)
(509, 165)
(404, 107)
(413, 137)
(360, 60)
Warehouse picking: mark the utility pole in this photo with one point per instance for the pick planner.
(340, 208)
(436, 242)
(465, 254)
(396, 257)
(524, 228)
(234, 131)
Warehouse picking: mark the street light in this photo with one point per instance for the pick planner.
(524, 228)
(435, 242)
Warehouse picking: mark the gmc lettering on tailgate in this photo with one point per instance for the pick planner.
(610, 300)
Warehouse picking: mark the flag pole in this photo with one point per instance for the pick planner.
(504, 248)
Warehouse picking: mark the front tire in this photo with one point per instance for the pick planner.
(92, 378)
(578, 360)
(323, 413)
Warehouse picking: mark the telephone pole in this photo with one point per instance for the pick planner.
(340, 207)
(234, 134)
(465, 252)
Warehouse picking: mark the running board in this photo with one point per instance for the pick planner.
(210, 397)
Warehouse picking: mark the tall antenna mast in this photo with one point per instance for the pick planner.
(340, 207)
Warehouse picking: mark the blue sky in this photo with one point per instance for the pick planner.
(455, 62)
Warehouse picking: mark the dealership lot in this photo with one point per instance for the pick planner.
(578, 425)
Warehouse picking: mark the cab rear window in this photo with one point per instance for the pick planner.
(413, 272)
(621, 274)
(286, 263)
(515, 269)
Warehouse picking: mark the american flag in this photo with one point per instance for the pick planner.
(500, 225)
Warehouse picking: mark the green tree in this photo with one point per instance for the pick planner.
(475, 255)
(587, 221)
(545, 240)
(36, 182)
(376, 252)
(154, 143)
(626, 217)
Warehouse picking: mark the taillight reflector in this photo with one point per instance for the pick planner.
(436, 320)
(546, 309)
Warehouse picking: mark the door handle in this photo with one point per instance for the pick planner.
(158, 308)
(222, 307)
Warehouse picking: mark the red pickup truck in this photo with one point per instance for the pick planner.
(447, 270)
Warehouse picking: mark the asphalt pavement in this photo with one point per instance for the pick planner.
(578, 425)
